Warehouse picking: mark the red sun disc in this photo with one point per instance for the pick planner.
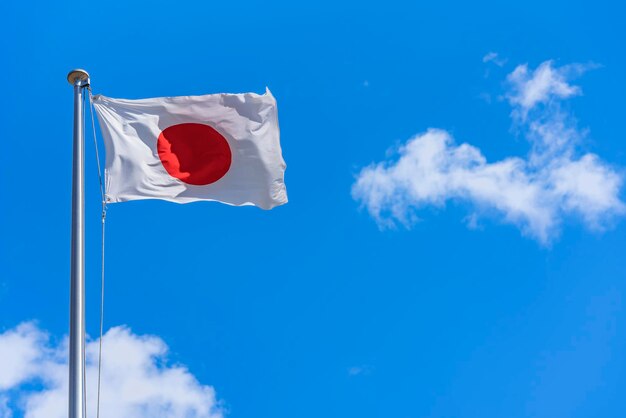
(194, 153)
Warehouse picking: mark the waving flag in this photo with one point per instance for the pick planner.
(221, 147)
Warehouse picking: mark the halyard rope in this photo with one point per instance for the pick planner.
(95, 144)
(104, 215)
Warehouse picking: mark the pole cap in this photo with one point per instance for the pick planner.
(78, 75)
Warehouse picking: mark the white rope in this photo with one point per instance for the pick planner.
(104, 215)
(95, 144)
(101, 313)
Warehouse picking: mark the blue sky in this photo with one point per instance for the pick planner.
(312, 309)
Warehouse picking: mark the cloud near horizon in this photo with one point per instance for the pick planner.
(136, 379)
(535, 193)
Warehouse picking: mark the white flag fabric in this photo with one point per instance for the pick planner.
(220, 147)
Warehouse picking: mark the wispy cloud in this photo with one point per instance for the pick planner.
(494, 58)
(5, 411)
(535, 193)
(136, 380)
(362, 370)
(543, 85)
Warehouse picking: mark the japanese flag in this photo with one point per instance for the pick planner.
(221, 147)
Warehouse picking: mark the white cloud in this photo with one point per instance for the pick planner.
(495, 58)
(534, 193)
(20, 354)
(136, 379)
(361, 370)
(544, 84)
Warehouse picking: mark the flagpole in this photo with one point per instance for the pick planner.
(79, 79)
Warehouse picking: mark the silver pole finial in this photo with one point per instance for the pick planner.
(78, 74)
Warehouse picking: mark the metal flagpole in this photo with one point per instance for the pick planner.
(79, 79)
